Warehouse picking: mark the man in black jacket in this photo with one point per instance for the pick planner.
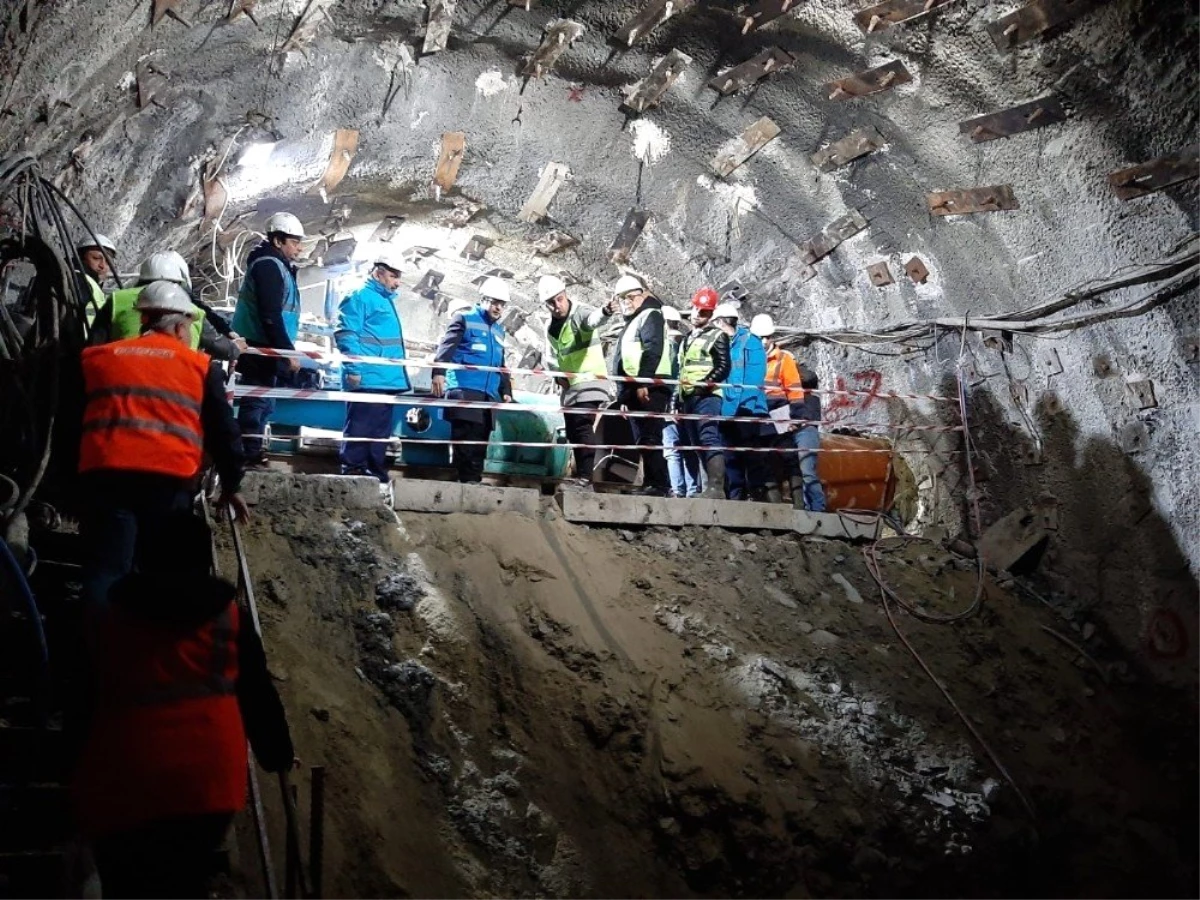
(642, 352)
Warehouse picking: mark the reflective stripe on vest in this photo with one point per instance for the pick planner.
(577, 353)
(246, 321)
(695, 359)
(127, 320)
(631, 347)
(481, 345)
(144, 397)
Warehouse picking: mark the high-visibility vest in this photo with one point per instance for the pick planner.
(127, 319)
(482, 345)
(631, 347)
(97, 292)
(143, 399)
(246, 321)
(783, 377)
(576, 349)
(695, 359)
(166, 736)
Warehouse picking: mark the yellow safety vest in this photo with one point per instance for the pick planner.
(695, 359)
(577, 351)
(127, 320)
(631, 347)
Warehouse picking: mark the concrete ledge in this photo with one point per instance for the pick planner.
(625, 509)
(416, 495)
(282, 488)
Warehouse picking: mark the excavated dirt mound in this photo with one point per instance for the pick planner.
(509, 706)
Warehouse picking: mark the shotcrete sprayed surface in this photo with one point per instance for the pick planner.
(513, 706)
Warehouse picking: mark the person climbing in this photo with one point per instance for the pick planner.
(573, 346)
(683, 467)
(153, 406)
(785, 381)
(704, 357)
(474, 337)
(368, 324)
(268, 315)
(97, 254)
(179, 682)
(642, 352)
(745, 469)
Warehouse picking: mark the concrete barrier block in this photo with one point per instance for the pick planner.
(415, 495)
(267, 488)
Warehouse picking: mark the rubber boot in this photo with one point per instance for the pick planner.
(797, 484)
(714, 467)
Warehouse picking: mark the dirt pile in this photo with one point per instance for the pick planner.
(511, 706)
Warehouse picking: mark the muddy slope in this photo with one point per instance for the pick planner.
(519, 707)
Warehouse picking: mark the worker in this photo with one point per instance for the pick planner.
(179, 683)
(268, 315)
(119, 318)
(97, 255)
(368, 324)
(474, 337)
(683, 468)
(703, 358)
(784, 387)
(573, 347)
(153, 407)
(642, 352)
(746, 474)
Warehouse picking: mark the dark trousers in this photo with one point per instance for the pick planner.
(469, 458)
(167, 858)
(702, 432)
(579, 419)
(745, 471)
(255, 412)
(647, 434)
(367, 420)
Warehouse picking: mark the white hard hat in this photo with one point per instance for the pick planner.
(495, 288)
(550, 286)
(627, 283)
(762, 325)
(165, 296)
(391, 258)
(165, 265)
(671, 314)
(101, 241)
(725, 311)
(285, 223)
(458, 305)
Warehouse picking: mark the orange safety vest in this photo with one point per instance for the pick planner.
(166, 737)
(143, 406)
(783, 377)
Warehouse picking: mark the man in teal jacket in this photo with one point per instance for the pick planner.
(368, 324)
(745, 470)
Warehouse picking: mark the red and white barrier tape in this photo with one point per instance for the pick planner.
(552, 373)
(270, 393)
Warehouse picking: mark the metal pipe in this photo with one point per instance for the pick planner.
(293, 835)
(260, 830)
(316, 832)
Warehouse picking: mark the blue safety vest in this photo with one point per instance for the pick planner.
(246, 321)
(482, 345)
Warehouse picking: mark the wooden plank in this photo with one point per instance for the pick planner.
(650, 17)
(631, 230)
(764, 12)
(996, 198)
(880, 274)
(752, 70)
(306, 26)
(857, 143)
(1022, 117)
(558, 36)
(829, 237)
(893, 12)
(916, 269)
(649, 91)
(168, 8)
(872, 81)
(237, 7)
(552, 178)
(437, 28)
(453, 145)
(554, 241)
(1032, 21)
(745, 146)
(1137, 181)
(476, 247)
(345, 145)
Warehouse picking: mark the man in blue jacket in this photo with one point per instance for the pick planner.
(474, 337)
(267, 315)
(368, 324)
(745, 471)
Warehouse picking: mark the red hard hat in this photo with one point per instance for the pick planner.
(705, 298)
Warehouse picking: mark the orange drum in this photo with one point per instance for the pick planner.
(856, 480)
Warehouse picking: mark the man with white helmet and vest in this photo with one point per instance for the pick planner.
(643, 352)
(154, 406)
(573, 347)
(704, 357)
(97, 255)
(268, 316)
(745, 469)
(683, 467)
(368, 324)
(792, 384)
(474, 337)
